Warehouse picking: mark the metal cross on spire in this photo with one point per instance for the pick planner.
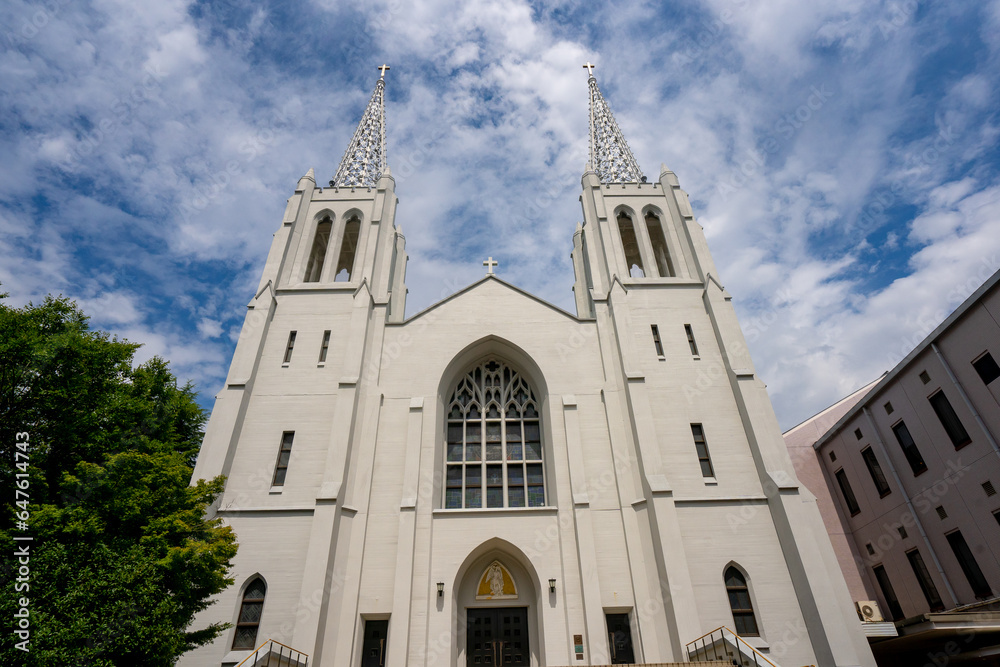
(610, 155)
(365, 161)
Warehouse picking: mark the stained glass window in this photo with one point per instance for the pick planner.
(493, 449)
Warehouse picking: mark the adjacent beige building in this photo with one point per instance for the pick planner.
(906, 471)
(495, 481)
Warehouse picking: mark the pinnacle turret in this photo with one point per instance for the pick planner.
(365, 160)
(610, 155)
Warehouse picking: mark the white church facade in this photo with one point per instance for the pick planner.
(496, 481)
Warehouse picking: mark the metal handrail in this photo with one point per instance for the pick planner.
(722, 630)
(281, 654)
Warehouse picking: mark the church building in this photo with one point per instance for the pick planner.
(494, 480)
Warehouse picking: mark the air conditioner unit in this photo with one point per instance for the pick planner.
(868, 611)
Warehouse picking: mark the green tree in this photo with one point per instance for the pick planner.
(122, 556)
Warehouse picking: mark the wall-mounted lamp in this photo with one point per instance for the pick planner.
(440, 589)
(552, 585)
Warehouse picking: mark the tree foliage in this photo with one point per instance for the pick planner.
(122, 556)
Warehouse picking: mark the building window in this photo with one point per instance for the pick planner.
(870, 549)
(620, 639)
(633, 258)
(940, 512)
(987, 368)
(909, 447)
(989, 489)
(325, 346)
(247, 623)
(925, 581)
(895, 611)
(289, 347)
(980, 587)
(691, 343)
(739, 602)
(701, 447)
(952, 424)
(875, 470)
(494, 445)
(888, 408)
(848, 493)
(924, 377)
(317, 255)
(857, 433)
(659, 242)
(284, 454)
(902, 532)
(348, 249)
(656, 340)
(833, 456)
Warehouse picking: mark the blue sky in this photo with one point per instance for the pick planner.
(840, 155)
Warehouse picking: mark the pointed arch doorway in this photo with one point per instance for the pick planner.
(497, 605)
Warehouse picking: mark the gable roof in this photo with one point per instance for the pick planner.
(481, 281)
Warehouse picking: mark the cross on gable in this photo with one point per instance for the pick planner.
(489, 264)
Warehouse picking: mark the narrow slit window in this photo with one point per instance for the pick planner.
(248, 622)
(949, 420)
(848, 492)
(701, 447)
(348, 250)
(875, 470)
(987, 368)
(630, 243)
(659, 242)
(909, 447)
(284, 454)
(325, 346)
(656, 340)
(924, 579)
(980, 587)
(317, 255)
(689, 332)
(289, 347)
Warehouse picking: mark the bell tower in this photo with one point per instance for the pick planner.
(678, 365)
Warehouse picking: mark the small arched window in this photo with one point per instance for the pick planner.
(633, 258)
(317, 255)
(348, 249)
(494, 445)
(659, 242)
(248, 621)
(739, 602)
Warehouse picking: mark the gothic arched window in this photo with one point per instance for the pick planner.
(317, 255)
(739, 602)
(630, 243)
(348, 249)
(493, 452)
(248, 621)
(659, 242)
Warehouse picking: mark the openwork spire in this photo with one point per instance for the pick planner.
(610, 156)
(364, 161)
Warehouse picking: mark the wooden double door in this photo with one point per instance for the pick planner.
(498, 637)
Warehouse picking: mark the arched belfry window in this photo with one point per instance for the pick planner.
(348, 249)
(493, 452)
(630, 243)
(248, 622)
(739, 602)
(317, 254)
(659, 242)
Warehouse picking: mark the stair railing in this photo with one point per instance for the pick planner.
(284, 656)
(712, 646)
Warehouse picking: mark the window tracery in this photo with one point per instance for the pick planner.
(493, 448)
